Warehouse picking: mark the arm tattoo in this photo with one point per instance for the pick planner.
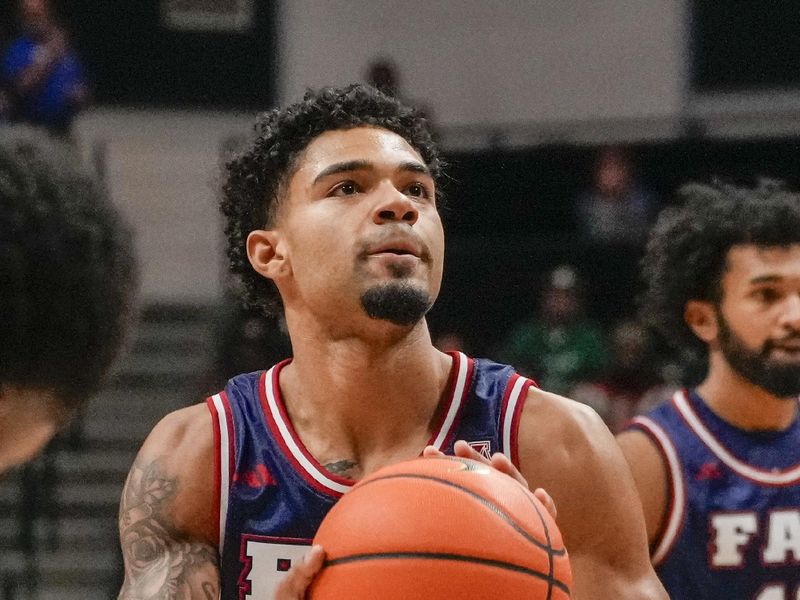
(345, 468)
(160, 563)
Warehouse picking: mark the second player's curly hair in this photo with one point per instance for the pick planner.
(257, 177)
(687, 250)
(67, 271)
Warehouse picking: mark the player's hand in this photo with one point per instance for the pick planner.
(299, 577)
(500, 462)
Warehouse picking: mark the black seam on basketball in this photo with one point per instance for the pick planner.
(549, 543)
(488, 503)
(446, 556)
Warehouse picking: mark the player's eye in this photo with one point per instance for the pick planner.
(346, 188)
(767, 295)
(417, 190)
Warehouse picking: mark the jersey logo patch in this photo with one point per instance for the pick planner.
(258, 477)
(709, 470)
(483, 447)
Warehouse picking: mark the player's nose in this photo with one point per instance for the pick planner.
(791, 318)
(393, 205)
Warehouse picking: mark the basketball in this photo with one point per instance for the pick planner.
(440, 528)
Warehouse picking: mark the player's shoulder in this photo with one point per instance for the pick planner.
(557, 418)
(178, 455)
(185, 435)
(571, 436)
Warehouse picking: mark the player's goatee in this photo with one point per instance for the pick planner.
(398, 303)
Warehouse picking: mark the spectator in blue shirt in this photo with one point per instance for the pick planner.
(42, 72)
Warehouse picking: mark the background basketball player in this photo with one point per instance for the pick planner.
(66, 284)
(718, 467)
(332, 215)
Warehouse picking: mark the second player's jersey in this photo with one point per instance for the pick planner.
(274, 494)
(732, 528)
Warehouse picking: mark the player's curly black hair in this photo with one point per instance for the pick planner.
(688, 247)
(67, 271)
(256, 178)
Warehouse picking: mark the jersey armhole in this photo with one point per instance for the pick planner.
(513, 403)
(676, 491)
(223, 458)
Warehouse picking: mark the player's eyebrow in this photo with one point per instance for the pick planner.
(414, 167)
(765, 279)
(344, 167)
(365, 165)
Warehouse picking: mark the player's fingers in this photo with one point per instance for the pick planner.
(297, 580)
(463, 450)
(501, 462)
(547, 501)
(432, 452)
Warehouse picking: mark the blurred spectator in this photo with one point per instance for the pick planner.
(560, 346)
(41, 72)
(617, 209)
(450, 341)
(383, 73)
(631, 380)
(248, 341)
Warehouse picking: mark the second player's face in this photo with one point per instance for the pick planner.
(360, 212)
(761, 300)
(28, 420)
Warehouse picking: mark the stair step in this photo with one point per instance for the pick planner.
(89, 461)
(91, 494)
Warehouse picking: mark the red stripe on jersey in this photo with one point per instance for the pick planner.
(450, 398)
(515, 420)
(231, 437)
(217, 457)
(278, 436)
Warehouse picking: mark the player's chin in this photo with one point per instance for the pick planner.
(399, 302)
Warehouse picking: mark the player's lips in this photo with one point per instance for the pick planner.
(791, 344)
(397, 247)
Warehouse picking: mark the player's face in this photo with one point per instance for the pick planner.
(35, 15)
(28, 420)
(359, 227)
(759, 317)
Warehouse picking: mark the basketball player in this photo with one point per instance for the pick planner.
(66, 283)
(333, 218)
(718, 466)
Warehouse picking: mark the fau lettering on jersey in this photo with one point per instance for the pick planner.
(273, 494)
(732, 528)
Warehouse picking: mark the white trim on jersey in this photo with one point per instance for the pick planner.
(508, 421)
(738, 466)
(675, 517)
(224, 466)
(455, 402)
(291, 444)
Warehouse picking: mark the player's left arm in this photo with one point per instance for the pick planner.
(565, 448)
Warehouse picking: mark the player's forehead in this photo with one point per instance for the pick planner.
(368, 144)
(750, 263)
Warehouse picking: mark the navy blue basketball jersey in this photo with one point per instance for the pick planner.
(732, 528)
(273, 494)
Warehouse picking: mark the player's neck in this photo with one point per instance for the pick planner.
(363, 396)
(742, 404)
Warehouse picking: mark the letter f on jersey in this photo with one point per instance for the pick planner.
(732, 533)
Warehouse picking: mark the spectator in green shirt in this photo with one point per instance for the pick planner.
(560, 346)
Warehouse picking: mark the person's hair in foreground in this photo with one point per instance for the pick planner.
(688, 248)
(256, 178)
(67, 272)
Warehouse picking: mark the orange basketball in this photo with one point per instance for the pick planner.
(440, 528)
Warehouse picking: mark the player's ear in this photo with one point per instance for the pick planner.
(701, 317)
(265, 250)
